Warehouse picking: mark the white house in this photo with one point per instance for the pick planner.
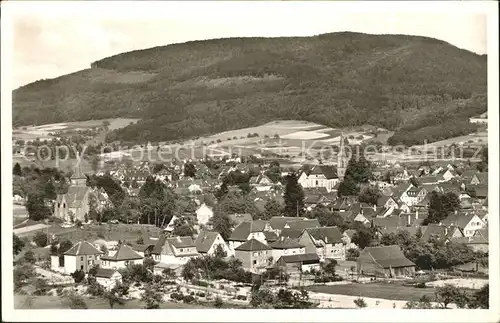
(108, 278)
(468, 223)
(247, 231)
(320, 176)
(286, 247)
(261, 183)
(208, 241)
(203, 214)
(413, 196)
(176, 250)
(121, 258)
(82, 256)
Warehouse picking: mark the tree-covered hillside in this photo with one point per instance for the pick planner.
(420, 87)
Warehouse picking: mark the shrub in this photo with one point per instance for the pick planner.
(78, 276)
(200, 294)
(188, 299)
(241, 297)
(218, 303)
(420, 285)
(95, 289)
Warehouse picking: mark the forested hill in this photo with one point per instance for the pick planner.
(418, 86)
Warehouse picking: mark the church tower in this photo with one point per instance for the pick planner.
(341, 161)
(78, 178)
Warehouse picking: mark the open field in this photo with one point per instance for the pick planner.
(375, 290)
(54, 302)
(111, 232)
(42, 132)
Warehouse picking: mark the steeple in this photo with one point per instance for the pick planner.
(341, 164)
(78, 178)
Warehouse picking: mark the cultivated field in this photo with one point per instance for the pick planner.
(42, 132)
(392, 291)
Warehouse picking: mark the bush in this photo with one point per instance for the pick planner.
(78, 276)
(177, 296)
(241, 297)
(420, 285)
(40, 239)
(59, 291)
(200, 294)
(188, 299)
(218, 303)
(95, 289)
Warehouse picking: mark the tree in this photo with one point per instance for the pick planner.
(359, 169)
(40, 239)
(220, 252)
(189, 170)
(328, 267)
(105, 125)
(22, 274)
(78, 276)
(387, 177)
(72, 300)
(441, 205)
(17, 244)
(222, 223)
(182, 230)
(152, 297)
(16, 171)
(347, 187)
(35, 205)
(271, 209)
(447, 294)
(480, 299)
(414, 181)
(29, 257)
(218, 303)
(363, 237)
(369, 195)
(113, 299)
(352, 254)
(294, 196)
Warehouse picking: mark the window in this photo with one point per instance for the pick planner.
(127, 263)
(90, 262)
(316, 183)
(255, 262)
(81, 267)
(81, 258)
(181, 250)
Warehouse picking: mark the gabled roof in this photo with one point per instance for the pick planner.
(205, 240)
(285, 243)
(181, 242)
(329, 172)
(290, 233)
(75, 195)
(389, 256)
(83, 248)
(123, 253)
(303, 224)
(242, 231)
(270, 236)
(459, 220)
(253, 245)
(237, 219)
(326, 234)
(300, 258)
(482, 177)
(105, 273)
(278, 222)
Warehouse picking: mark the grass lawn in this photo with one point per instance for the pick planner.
(54, 302)
(376, 290)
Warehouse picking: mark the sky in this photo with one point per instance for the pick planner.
(50, 40)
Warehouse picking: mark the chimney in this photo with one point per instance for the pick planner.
(445, 231)
(416, 214)
(409, 219)
(179, 239)
(374, 207)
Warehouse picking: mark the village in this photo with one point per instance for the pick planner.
(237, 232)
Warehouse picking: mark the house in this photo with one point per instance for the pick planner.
(413, 196)
(108, 278)
(293, 264)
(121, 258)
(73, 205)
(207, 243)
(254, 255)
(286, 246)
(237, 219)
(278, 223)
(387, 202)
(347, 238)
(261, 183)
(479, 192)
(176, 250)
(482, 118)
(203, 214)
(247, 231)
(468, 223)
(440, 232)
(82, 256)
(479, 179)
(319, 176)
(326, 242)
(384, 261)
